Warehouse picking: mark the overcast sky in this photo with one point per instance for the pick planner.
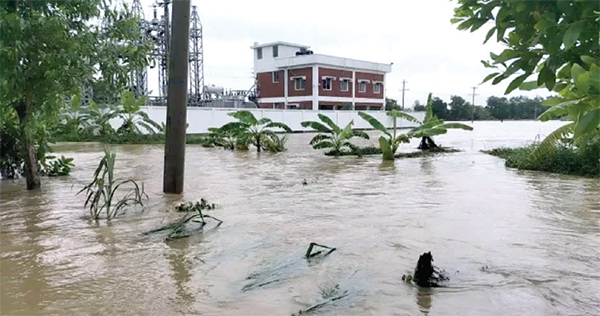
(416, 36)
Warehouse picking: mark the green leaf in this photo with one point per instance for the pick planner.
(576, 71)
(373, 122)
(490, 76)
(329, 122)
(360, 134)
(549, 143)
(324, 144)
(402, 115)
(572, 34)
(595, 76)
(516, 83)
(465, 25)
(316, 126)
(588, 124)
(279, 125)
(529, 85)
(244, 116)
(544, 24)
(558, 109)
(547, 77)
(589, 60)
(583, 82)
(490, 33)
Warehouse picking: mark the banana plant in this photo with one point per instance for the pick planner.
(251, 130)
(433, 126)
(332, 136)
(134, 120)
(389, 142)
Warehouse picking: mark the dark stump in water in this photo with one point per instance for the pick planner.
(427, 143)
(426, 274)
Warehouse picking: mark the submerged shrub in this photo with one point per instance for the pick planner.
(100, 193)
(583, 160)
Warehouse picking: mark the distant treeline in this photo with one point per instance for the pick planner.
(515, 108)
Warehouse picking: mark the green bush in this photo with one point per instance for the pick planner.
(583, 160)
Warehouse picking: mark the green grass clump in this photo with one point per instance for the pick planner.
(140, 139)
(565, 159)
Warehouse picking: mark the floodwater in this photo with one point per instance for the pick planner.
(513, 242)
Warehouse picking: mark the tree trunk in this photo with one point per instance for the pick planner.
(258, 143)
(427, 143)
(31, 167)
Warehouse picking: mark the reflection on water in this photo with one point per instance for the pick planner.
(424, 298)
(524, 242)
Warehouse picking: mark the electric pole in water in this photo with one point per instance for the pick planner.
(177, 98)
(473, 105)
(403, 89)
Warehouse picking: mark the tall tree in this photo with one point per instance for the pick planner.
(558, 41)
(439, 108)
(49, 49)
(459, 109)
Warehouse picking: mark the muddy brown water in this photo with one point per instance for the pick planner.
(513, 242)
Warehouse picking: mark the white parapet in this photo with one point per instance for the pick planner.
(201, 119)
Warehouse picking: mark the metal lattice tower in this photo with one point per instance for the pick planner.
(139, 77)
(196, 60)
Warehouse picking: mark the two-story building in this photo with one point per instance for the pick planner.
(291, 76)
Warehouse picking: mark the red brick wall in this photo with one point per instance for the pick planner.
(361, 106)
(336, 86)
(307, 72)
(270, 105)
(268, 89)
(303, 105)
(369, 93)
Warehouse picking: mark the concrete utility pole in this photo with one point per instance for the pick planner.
(473, 105)
(403, 89)
(177, 99)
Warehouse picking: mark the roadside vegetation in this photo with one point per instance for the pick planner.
(557, 44)
(565, 159)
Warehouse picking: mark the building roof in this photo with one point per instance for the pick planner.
(256, 45)
(326, 60)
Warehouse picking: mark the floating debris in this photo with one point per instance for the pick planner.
(286, 268)
(312, 245)
(193, 213)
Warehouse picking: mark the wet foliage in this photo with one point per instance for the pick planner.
(12, 157)
(582, 160)
(287, 268)
(100, 193)
(333, 137)
(248, 131)
(194, 213)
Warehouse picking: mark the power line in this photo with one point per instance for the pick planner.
(473, 104)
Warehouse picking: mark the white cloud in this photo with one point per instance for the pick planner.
(427, 51)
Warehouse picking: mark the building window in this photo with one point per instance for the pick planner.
(377, 88)
(275, 76)
(327, 83)
(275, 51)
(299, 83)
(344, 85)
(259, 53)
(362, 86)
